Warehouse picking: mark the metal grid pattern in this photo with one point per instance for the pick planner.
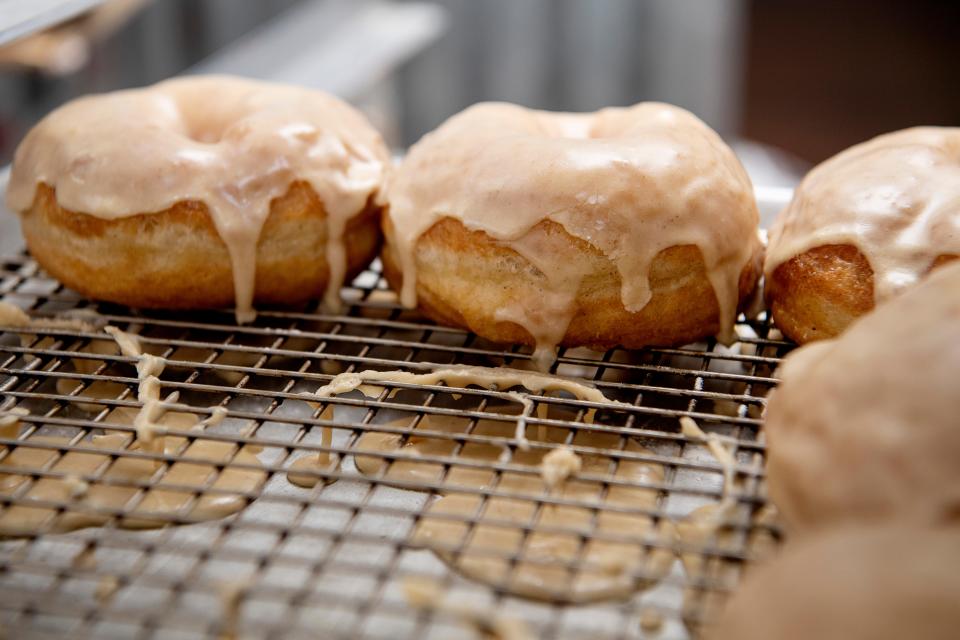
(331, 561)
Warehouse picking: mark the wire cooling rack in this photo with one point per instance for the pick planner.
(332, 561)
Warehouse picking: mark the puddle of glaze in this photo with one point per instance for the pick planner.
(21, 519)
(608, 568)
(314, 462)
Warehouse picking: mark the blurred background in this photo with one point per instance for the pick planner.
(788, 82)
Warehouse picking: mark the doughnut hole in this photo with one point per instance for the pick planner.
(175, 258)
(204, 120)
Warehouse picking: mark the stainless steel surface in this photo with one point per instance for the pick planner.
(11, 241)
(567, 55)
(771, 201)
(19, 18)
(344, 48)
(329, 562)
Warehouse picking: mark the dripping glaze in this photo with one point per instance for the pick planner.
(631, 182)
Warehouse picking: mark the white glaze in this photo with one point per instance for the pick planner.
(896, 198)
(629, 181)
(231, 143)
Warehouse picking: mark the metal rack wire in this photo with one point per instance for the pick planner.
(331, 561)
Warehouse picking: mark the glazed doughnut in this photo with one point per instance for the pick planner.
(202, 192)
(861, 227)
(886, 583)
(632, 226)
(867, 426)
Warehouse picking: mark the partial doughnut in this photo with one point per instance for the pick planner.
(862, 227)
(866, 427)
(885, 583)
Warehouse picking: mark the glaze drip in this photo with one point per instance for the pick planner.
(462, 376)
